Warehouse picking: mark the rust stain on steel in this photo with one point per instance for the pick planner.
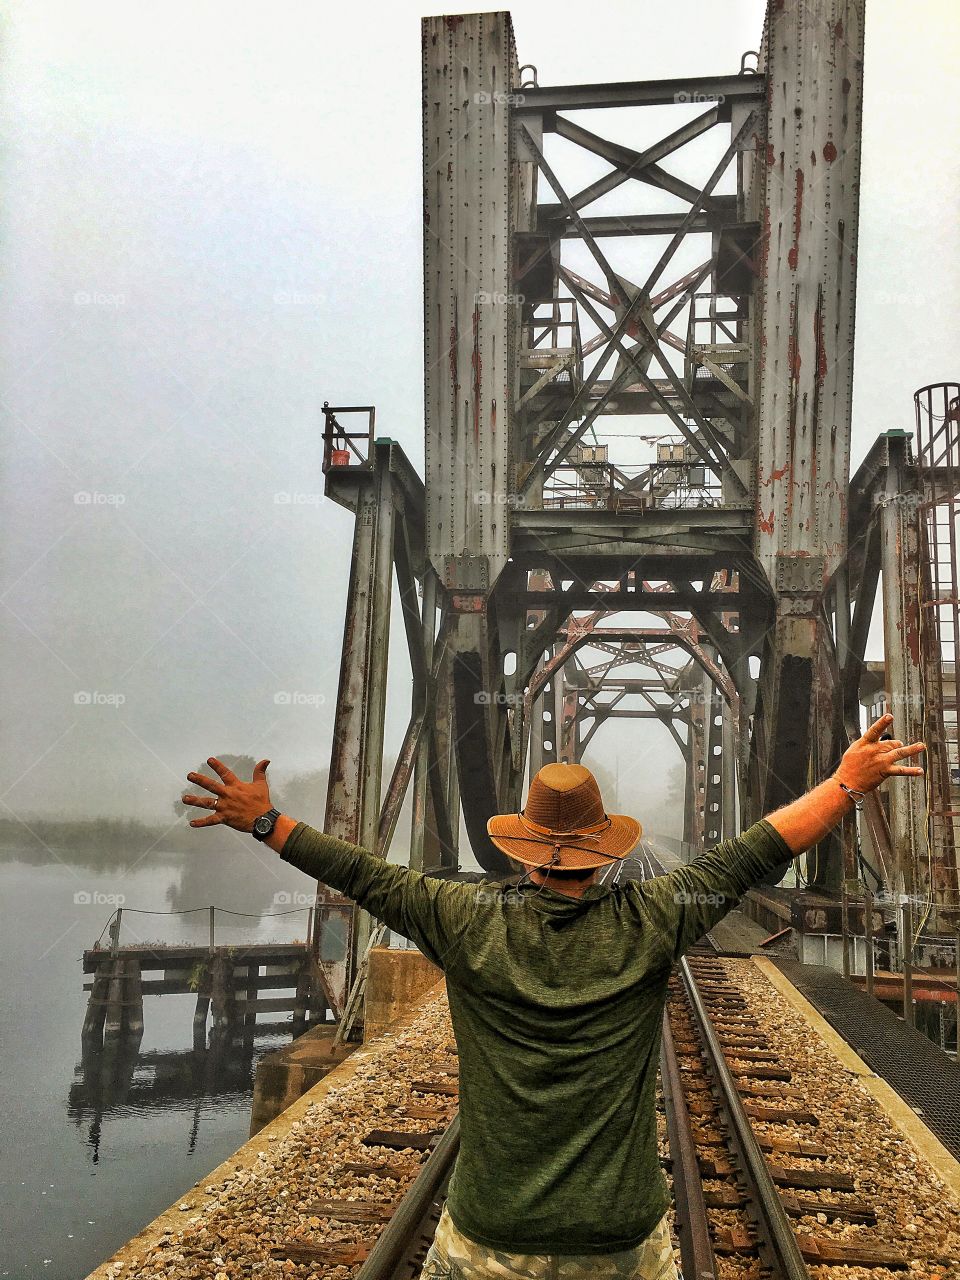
(793, 356)
(793, 257)
(493, 416)
(452, 21)
(813, 158)
(821, 364)
(454, 372)
(771, 154)
(766, 522)
(777, 474)
(476, 363)
(829, 152)
(838, 31)
(845, 85)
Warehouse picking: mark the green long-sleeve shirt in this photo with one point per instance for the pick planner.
(556, 1005)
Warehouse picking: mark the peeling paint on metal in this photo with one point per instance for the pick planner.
(793, 257)
(476, 364)
(454, 372)
(829, 152)
(821, 359)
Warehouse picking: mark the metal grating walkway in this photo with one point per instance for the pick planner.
(921, 1073)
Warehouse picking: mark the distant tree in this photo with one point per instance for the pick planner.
(242, 766)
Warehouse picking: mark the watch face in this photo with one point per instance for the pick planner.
(263, 825)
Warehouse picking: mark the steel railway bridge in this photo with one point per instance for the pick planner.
(717, 572)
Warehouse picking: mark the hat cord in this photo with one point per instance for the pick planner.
(558, 839)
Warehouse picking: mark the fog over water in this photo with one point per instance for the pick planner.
(211, 223)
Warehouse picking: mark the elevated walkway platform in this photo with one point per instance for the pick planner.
(923, 1075)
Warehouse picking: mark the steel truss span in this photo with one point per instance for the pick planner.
(639, 306)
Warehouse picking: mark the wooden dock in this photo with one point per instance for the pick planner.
(228, 982)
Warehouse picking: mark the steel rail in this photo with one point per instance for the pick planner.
(781, 1247)
(693, 1225)
(401, 1231)
(783, 1252)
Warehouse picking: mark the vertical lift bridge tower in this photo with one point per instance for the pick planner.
(716, 311)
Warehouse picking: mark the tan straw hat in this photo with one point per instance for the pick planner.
(564, 824)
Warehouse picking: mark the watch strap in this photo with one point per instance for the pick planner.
(273, 815)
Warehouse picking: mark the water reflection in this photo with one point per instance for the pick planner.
(121, 1080)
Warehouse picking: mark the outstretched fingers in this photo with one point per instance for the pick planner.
(208, 784)
(903, 753)
(213, 820)
(225, 772)
(878, 727)
(203, 802)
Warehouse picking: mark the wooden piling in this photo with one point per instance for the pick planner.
(113, 1020)
(91, 1037)
(132, 1001)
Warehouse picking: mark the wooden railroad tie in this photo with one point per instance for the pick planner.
(749, 1055)
(331, 1255)
(848, 1210)
(806, 1179)
(825, 1252)
(761, 1072)
(413, 1112)
(363, 1211)
(382, 1169)
(449, 1088)
(400, 1141)
(780, 1115)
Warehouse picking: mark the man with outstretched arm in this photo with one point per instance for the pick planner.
(556, 990)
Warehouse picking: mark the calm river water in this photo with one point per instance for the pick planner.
(85, 1163)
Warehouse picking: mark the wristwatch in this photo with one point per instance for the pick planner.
(263, 826)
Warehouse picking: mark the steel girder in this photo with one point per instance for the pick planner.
(762, 406)
(804, 190)
(376, 482)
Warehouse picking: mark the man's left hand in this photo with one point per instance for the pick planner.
(234, 802)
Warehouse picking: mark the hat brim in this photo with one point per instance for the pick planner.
(614, 843)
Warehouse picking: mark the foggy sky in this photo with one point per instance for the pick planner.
(211, 223)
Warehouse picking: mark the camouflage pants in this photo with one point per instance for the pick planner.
(453, 1257)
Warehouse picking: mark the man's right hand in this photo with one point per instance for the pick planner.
(869, 760)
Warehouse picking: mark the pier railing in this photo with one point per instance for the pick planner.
(228, 979)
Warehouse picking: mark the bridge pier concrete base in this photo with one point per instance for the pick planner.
(396, 979)
(284, 1076)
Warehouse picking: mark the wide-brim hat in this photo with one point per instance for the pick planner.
(564, 824)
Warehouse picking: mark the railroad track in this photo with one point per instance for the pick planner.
(402, 1228)
(719, 1074)
(736, 1192)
